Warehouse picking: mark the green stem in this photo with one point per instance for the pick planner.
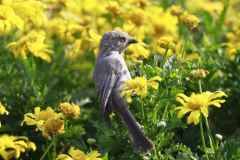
(164, 112)
(185, 43)
(54, 146)
(200, 86)
(212, 144)
(46, 151)
(165, 55)
(203, 139)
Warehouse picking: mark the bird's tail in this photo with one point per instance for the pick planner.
(141, 143)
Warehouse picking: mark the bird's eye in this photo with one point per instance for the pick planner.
(122, 39)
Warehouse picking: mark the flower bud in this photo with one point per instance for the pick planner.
(198, 74)
(218, 137)
(191, 20)
(166, 43)
(161, 124)
(91, 141)
(176, 10)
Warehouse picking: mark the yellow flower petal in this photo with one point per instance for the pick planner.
(204, 110)
(217, 94)
(194, 117)
(183, 111)
(183, 96)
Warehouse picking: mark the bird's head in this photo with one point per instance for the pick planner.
(115, 41)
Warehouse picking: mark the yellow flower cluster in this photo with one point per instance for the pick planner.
(46, 121)
(70, 110)
(197, 104)
(13, 146)
(139, 86)
(191, 20)
(33, 43)
(75, 154)
(9, 20)
(3, 111)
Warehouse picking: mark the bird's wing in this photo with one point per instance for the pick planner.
(106, 75)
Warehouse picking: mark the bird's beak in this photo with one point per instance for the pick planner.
(131, 41)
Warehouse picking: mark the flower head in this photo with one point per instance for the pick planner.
(3, 111)
(9, 20)
(139, 86)
(75, 154)
(33, 43)
(53, 126)
(70, 110)
(46, 121)
(197, 104)
(191, 20)
(198, 74)
(166, 43)
(176, 10)
(30, 11)
(13, 146)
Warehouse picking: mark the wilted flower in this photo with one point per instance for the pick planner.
(70, 110)
(166, 43)
(197, 104)
(197, 74)
(13, 146)
(9, 20)
(33, 43)
(76, 154)
(176, 10)
(47, 121)
(53, 126)
(191, 20)
(139, 86)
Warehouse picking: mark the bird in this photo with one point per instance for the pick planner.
(110, 74)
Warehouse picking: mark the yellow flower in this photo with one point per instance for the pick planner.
(70, 110)
(189, 19)
(137, 52)
(46, 121)
(198, 74)
(166, 43)
(176, 10)
(65, 27)
(9, 20)
(13, 146)
(197, 104)
(33, 43)
(76, 154)
(233, 43)
(114, 8)
(53, 126)
(153, 82)
(137, 16)
(138, 86)
(31, 11)
(3, 111)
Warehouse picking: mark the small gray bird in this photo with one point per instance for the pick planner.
(110, 74)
